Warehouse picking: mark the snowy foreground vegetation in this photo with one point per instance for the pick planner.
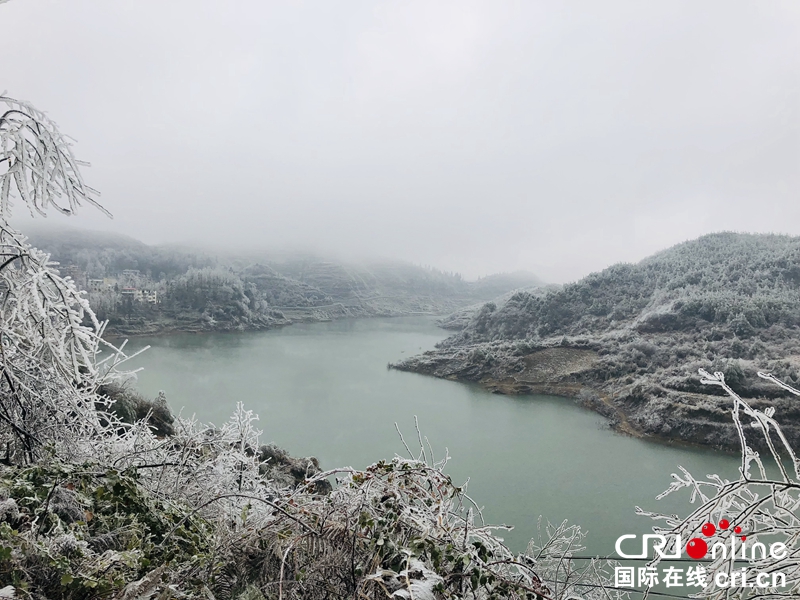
(97, 503)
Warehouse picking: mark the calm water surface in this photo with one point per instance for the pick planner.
(324, 390)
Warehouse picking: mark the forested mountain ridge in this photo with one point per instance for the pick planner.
(628, 340)
(150, 289)
(741, 282)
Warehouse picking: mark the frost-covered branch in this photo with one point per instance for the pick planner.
(755, 513)
(37, 163)
(50, 340)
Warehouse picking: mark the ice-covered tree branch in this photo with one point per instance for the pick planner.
(37, 164)
(759, 510)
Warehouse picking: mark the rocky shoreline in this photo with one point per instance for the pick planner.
(638, 406)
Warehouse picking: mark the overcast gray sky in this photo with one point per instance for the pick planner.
(557, 137)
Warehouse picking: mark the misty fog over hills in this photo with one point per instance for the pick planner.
(149, 289)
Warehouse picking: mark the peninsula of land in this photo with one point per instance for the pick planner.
(628, 341)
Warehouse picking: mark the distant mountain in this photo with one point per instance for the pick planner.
(148, 289)
(102, 254)
(629, 340)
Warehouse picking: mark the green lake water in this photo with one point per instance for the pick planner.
(324, 390)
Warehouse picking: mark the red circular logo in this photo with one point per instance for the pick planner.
(696, 548)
